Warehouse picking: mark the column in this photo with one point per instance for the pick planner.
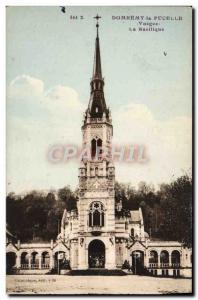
(182, 259)
(51, 261)
(29, 261)
(188, 258)
(51, 244)
(169, 259)
(18, 244)
(110, 253)
(18, 260)
(79, 255)
(146, 259)
(86, 256)
(158, 259)
(125, 253)
(40, 258)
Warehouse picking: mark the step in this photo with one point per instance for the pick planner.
(97, 272)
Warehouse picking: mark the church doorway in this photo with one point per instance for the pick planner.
(59, 260)
(138, 262)
(96, 254)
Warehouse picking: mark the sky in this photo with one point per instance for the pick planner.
(147, 87)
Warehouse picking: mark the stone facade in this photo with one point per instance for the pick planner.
(96, 235)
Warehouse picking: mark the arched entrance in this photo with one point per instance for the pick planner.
(96, 254)
(59, 259)
(164, 258)
(175, 258)
(10, 262)
(24, 260)
(138, 262)
(34, 260)
(45, 260)
(153, 259)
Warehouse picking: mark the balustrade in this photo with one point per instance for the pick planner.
(24, 266)
(34, 266)
(45, 266)
(153, 265)
(164, 265)
(176, 265)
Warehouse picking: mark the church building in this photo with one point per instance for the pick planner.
(95, 236)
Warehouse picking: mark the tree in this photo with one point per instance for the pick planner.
(167, 212)
(67, 197)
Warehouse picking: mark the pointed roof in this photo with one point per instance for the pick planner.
(97, 70)
(97, 105)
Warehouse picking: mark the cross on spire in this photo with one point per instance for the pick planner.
(97, 71)
(97, 17)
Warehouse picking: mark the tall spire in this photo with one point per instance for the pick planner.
(97, 106)
(97, 70)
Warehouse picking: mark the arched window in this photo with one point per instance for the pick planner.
(24, 258)
(96, 171)
(35, 258)
(96, 214)
(132, 232)
(45, 258)
(93, 148)
(96, 147)
(175, 257)
(96, 218)
(99, 146)
(153, 257)
(99, 143)
(164, 256)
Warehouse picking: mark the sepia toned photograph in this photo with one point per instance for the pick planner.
(99, 150)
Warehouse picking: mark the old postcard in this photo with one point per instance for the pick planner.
(99, 150)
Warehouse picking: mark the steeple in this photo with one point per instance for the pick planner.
(97, 106)
(97, 70)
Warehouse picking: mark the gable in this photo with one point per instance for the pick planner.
(11, 248)
(137, 245)
(60, 247)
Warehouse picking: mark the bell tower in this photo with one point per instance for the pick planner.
(96, 205)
